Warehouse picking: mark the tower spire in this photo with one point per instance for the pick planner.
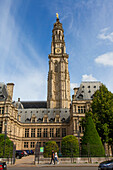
(58, 76)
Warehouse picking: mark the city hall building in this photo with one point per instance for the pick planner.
(28, 122)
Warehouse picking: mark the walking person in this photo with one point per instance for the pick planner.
(56, 158)
(52, 157)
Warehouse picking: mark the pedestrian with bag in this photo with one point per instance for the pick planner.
(56, 158)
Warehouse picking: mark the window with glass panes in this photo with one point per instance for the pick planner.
(1, 122)
(39, 132)
(45, 119)
(51, 132)
(1, 110)
(32, 145)
(25, 144)
(63, 132)
(81, 109)
(32, 132)
(57, 119)
(33, 119)
(45, 133)
(26, 132)
(39, 144)
(57, 132)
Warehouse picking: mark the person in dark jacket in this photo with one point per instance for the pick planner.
(52, 157)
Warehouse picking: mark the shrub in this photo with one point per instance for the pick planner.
(6, 145)
(91, 142)
(70, 146)
(48, 148)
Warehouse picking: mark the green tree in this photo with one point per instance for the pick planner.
(102, 109)
(70, 146)
(91, 142)
(48, 148)
(6, 146)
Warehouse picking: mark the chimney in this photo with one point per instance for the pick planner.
(10, 87)
(75, 90)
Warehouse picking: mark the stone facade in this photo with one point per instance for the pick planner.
(27, 123)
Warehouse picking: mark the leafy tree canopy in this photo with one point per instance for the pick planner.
(48, 148)
(6, 145)
(102, 109)
(70, 146)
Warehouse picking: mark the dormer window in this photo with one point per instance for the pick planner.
(57, 119)
(33, 119)
(63, 119)
(40, 120)
(80, 96)
(45, 119)
(52, 120)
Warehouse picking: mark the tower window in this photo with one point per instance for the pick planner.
(56, 66)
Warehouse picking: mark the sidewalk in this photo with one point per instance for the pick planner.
(29, 162)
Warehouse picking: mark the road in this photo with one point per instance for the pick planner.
(53, 168)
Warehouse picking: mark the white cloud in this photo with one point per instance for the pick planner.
(73, 85)
(105, 59)
(105, 36)
(86, 77)
(23, 67)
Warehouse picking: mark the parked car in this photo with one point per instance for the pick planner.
(18, 155)
(31, 152)
(21, 152)
(25, 153)
(106, 165)
(3, 165)
(28, 152)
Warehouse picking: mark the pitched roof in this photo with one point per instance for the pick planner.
(87, 90)
(34, 104)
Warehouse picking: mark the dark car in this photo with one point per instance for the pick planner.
(28, 152)
(31, 152)
(20, 152)
(3, 166)
(18, 155)
(106, 165)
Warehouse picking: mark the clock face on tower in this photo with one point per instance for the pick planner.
(58, 50)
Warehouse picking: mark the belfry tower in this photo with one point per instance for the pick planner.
(58, 76)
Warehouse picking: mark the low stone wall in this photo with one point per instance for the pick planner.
(78, 160)
(8, 160)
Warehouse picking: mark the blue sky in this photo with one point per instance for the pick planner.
(25, 42)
